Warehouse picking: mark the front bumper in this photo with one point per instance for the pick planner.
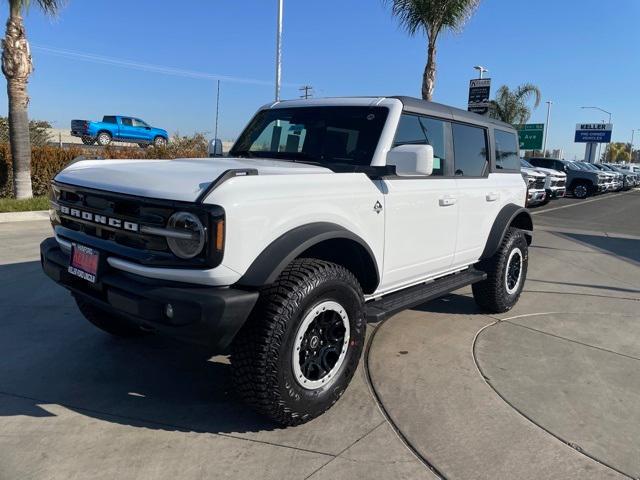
(209, 316)
(556, 192)
(536, 196)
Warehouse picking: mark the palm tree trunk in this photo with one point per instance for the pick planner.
(429, 75)
(17, 66)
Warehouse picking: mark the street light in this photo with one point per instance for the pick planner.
(631, 145)
(279, 50)
(480, 69)
(546, 128)
(602, 110)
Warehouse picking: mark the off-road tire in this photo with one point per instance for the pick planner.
(159, 142)
(106, 321)
(88, 140)
(104, 139)
(262, 353)
(492, 294)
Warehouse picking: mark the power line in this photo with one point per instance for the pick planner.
(307, 91)
(166, 70)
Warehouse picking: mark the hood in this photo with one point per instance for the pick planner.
(532, 172)
(550, 171)
(182, 179)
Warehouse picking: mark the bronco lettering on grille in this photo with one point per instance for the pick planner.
(99, 219)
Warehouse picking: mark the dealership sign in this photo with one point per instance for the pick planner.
(530, 136)
(479, 90)
(593, 132)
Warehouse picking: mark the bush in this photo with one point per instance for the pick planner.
(39, 133)
(48, 160)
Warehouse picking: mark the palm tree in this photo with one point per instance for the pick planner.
(17, 66)
(511, 106)
(432, 17)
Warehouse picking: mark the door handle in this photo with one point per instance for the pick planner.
(447, 201)
(492, 196)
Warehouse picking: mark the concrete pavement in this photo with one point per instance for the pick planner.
(548, 390)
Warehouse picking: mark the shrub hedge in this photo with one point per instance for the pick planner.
(47, 161)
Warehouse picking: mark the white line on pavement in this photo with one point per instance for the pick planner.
(583, 202)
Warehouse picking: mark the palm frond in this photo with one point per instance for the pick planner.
(431, 16)
(49, 7)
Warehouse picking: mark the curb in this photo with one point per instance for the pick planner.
(24, 216)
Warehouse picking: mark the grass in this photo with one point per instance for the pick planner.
(30, 204)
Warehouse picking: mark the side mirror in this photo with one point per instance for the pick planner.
(411, 160)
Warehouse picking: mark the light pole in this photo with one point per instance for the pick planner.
(631, 146)
(602, 110)
(279, 50)
(480, 69)
(546, 128)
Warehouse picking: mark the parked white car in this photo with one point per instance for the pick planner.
(556, 181)
(536, 182)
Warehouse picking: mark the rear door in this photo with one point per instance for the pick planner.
(421, 212)
(479, 194)
(127, 130)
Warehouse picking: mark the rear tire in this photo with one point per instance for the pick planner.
(284, 364)
(506, 273)
(106, 321)
(104, 139)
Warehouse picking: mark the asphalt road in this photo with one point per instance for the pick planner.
(548, 390)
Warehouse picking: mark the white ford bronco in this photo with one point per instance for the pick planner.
(326, 214)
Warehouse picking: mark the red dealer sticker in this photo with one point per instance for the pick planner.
(84, 262)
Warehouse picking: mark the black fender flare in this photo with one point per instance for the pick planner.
(268, 265)
(510, 214)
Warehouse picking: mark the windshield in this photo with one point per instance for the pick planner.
(526, 164)
(313, 134)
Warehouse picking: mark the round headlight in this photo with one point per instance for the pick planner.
(189, 235)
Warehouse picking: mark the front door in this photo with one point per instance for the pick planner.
(421, 212)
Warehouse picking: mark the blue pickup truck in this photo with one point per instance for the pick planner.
(118, 128)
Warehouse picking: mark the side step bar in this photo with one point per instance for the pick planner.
(388, 305)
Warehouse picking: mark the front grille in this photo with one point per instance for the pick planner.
(539, 183)
(558, 183)
(132, 212)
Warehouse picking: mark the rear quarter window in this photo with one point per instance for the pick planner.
(507, 157)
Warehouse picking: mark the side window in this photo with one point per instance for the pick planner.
(418, 130)
(507, 157)
(109, 119)
(126, 122)
(469, 150)
(138, 123)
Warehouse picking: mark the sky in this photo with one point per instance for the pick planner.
(153, 60)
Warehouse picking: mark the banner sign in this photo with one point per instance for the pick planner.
(593, 132)
(479, 90)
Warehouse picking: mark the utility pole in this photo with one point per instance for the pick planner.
(307, 91)
(279, 50)
(546, 128)
(215, 135)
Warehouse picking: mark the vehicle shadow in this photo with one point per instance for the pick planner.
(51, 354)
(627, 249)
